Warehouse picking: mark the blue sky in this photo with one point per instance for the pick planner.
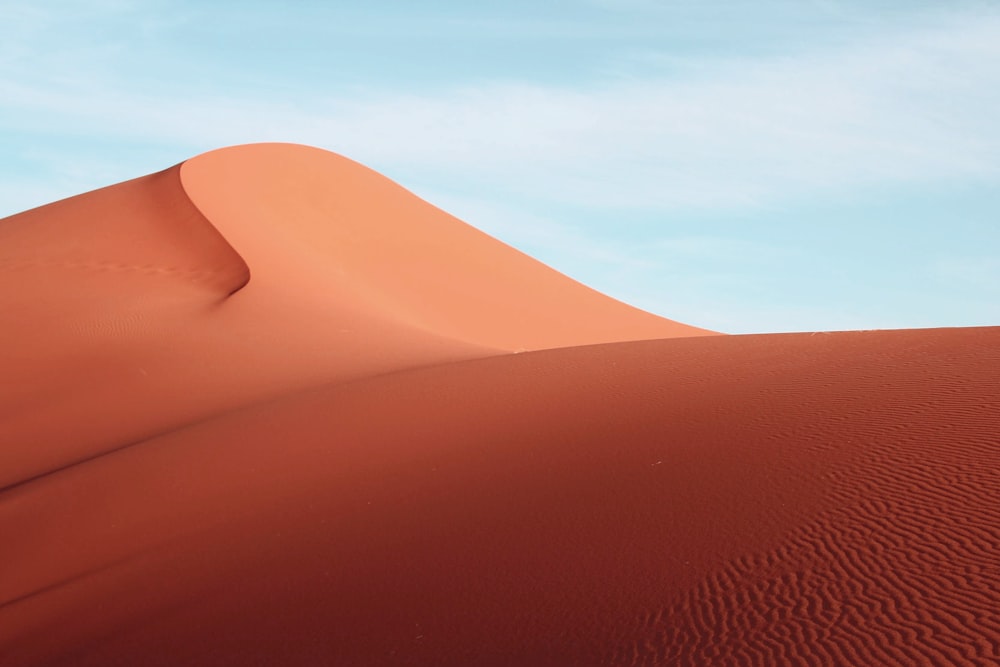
(747, 166)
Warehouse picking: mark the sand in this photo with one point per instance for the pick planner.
(265, 408)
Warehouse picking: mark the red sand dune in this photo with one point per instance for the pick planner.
(261, 409)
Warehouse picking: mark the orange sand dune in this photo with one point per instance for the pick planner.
(127, 313)
(261, 409)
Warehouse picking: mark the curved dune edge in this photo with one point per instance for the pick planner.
(245, 273)
(99, 293)
(309, 219)
(779, 499)
(125, 324)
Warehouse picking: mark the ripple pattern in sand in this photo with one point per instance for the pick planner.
(903, 568)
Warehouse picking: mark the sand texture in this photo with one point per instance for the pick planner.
(269, 408)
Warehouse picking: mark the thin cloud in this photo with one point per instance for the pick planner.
(721, 249)
(914, 107)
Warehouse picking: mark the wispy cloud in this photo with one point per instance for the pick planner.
(918, 106)
(721, 249)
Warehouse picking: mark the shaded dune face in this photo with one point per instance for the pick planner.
(260, 408)
(93, 289)
(780, 499)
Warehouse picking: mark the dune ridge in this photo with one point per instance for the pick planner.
(145, 305)
(298, 435)
(294, 210)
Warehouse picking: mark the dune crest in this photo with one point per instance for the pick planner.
(244, 273)
(314, 220)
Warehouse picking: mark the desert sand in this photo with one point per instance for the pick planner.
(267, 407)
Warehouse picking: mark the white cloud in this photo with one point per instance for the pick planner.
(913, 107)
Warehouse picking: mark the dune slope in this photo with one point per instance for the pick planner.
(329, 222)
(781, 499)
(244, 273)
(263, 408)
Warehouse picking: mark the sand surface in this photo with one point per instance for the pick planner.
(265, 408)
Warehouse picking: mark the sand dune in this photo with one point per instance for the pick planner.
(261, 408)
(127, 313)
